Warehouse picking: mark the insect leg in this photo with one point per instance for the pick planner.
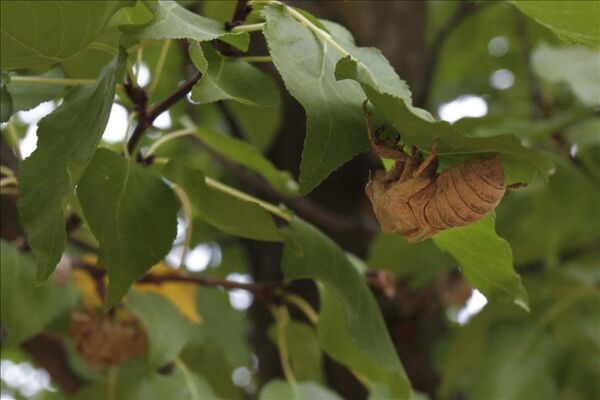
(382, 149)
(430, 164)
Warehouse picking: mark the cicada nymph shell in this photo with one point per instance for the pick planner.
(104, 341)
(415, 201)
(464, 193)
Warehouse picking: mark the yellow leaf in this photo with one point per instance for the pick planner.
(181, 294)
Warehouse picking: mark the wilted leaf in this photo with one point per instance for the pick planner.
(485, 259)
(230, 214)
(173, 21)
(42, 43)
(66, 137)
(310, 254)
(132, 213)
(21, 298)
(230, 78)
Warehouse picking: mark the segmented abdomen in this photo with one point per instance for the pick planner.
(465, 193)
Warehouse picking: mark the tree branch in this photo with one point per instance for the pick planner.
(266, 292)
(463, 10)
(242, 9)
(147, 116)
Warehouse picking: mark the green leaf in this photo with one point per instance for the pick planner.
(419, 262)
(223, 325)
(230, 214)
(132, 213)
(308, 253)
(179, 384)
(485, 259)
(259, 125)
(230, 78)
(245, 154)
(335, 128)
(66, 137)
(281, 390)
(45, 32)
(173, 21)
(572, 21)
(576, 66)
(220, 10)
(6, 107)
(21, 298)
(26, 95)
(303, 349)
(340, 345)
(167, 329)
(419, 128)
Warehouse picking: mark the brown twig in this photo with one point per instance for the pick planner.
(266, 292)
(242, 9)
(463, 10)
(147, 116)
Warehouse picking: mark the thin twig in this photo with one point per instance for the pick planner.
(146, 117)
(266, 292)
(242, 9)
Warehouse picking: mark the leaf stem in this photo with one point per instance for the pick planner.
(111, 382)
(14, 138)
(281, 320)
(256, 59)
(159, 67)
(50, 81)
(248, 28)
(168, 137)
(303, 306)
(317, 31)
(273, 209)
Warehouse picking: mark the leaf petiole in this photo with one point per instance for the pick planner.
(248, 28)
(51, 81)
(159, 67)
(281, 320)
